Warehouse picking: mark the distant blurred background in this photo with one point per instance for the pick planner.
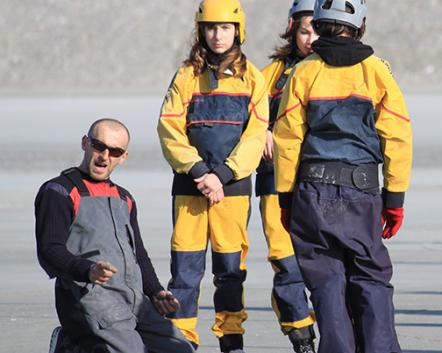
(65, 63)
(133, 47)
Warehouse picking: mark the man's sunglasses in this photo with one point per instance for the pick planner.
(101, 147)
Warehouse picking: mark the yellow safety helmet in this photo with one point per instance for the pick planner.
(222, 11)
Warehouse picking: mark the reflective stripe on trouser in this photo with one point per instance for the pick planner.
(337, 233)
(224, 224)
(289, 300)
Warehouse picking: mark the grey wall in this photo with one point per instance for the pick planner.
(64, 47)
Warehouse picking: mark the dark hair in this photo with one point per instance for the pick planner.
(110, 122)
(330, 29)
(326, 29)
(287, 50)
(199, 54)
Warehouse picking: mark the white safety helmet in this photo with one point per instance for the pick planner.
(334, 11)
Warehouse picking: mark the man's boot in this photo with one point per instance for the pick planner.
(302, 339)
(61, 343)
(56, 343)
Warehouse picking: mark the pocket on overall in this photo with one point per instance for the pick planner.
(106, 308)
(116, 316)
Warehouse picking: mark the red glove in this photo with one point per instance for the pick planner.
(391, 221)
(285, 218)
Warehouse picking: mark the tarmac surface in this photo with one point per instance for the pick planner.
(27, 314)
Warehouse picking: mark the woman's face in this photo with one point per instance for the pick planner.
(219, 36)
(305, 35)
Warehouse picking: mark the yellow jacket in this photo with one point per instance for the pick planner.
(372, 124)
(203, 129)
(276, 75)
(272, 73)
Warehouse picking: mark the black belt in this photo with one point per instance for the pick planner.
(362, 177)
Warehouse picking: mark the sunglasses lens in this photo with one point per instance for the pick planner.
(115, 151)
(101, 147)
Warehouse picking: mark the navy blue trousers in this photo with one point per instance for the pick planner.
(346, 267)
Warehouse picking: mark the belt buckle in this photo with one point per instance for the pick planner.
(361, 178)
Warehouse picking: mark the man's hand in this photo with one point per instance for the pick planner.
(101, 271)
(268, 147)
(211, 187)
(165, 302)
(391, 219)
(285, 218)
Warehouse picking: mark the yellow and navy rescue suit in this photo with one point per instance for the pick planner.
(219, 130)
(341, 115)
(289, 300)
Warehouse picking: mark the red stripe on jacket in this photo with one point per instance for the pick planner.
(96, 190)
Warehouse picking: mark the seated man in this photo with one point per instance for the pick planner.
(108, 296)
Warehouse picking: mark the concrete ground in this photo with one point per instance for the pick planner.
(40, 136)
(27, 314)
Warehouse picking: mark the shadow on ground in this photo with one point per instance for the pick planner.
(423, 312)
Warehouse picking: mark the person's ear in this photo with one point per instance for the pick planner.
(84, 142)
(123, 158)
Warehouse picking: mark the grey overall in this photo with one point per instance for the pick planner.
(117, 315)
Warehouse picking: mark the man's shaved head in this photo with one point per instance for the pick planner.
(104, 136)
(112, 124)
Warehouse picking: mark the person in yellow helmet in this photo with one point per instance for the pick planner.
(289, 300)
(212, 132)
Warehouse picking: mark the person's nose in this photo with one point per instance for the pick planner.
(313, 37)
(217, 34)
(105, 154)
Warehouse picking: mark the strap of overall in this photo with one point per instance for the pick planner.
(124, 194)
(213, 79)
(290, 63)
(74, 176)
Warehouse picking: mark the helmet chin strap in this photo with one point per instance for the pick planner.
(290, 24)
